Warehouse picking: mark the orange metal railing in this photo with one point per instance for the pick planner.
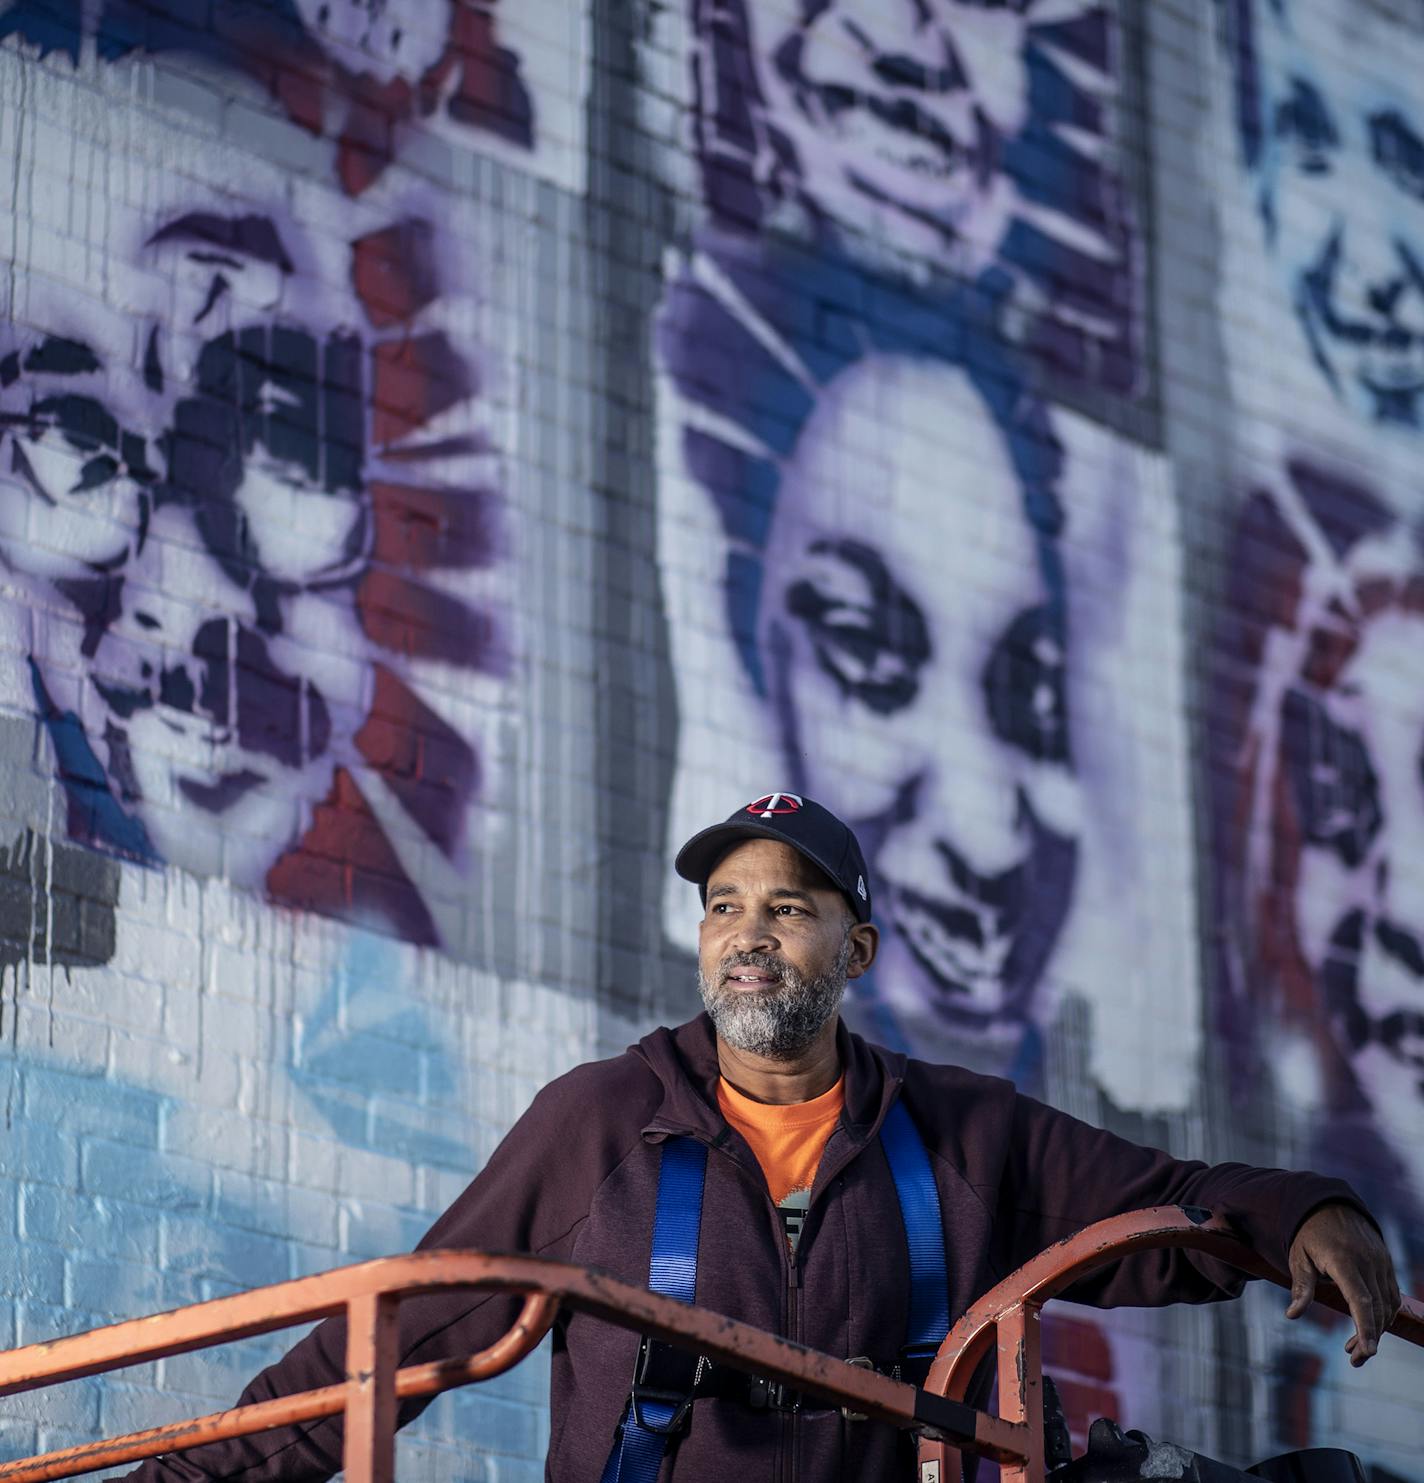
(370, 1295)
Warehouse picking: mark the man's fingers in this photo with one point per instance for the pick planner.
(1304, 1276)
(1365, 1309)
(1394, 1299)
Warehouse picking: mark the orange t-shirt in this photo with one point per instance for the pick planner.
(788, 1142)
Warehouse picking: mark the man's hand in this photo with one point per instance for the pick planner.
(1337, 1242)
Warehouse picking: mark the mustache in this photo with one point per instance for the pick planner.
(767, 962)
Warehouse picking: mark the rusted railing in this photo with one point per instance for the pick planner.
(370, 1296)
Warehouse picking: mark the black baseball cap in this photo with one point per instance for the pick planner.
(810, 829)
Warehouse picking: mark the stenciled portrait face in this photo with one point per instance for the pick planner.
(233, 504)
(1332, 129)
(913, 641)
(377, 37)
(901, 108)
(214, 585)
(1332, 786)
(1352, 746)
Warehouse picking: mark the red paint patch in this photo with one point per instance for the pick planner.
(393, 271)
(368, 142)
(422, 623)
(345, 867)
(490, 93)
(1077, 1354)
(1074, 1344)
(426, 764)
(1297, 1372)
(427, 528)
(415, 380)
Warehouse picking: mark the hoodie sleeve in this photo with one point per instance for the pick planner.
(533, 1196)
(1064, 1174)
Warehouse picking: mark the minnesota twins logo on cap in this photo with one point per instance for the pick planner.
(775, 803)
(810, 829)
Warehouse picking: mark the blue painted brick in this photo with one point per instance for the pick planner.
(35, 1150)
(126, 1172)
(89, 1104)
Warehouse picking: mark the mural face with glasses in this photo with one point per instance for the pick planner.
(190, 494)
(1331, 129)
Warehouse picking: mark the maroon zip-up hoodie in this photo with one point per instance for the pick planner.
(577, 1179)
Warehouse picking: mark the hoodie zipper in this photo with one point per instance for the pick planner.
(787, 1468)
(793, 1332)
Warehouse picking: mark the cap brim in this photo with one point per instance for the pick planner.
(697, 859)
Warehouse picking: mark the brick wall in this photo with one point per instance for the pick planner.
(449, 452)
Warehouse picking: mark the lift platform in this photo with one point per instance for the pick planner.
(1026, 1438)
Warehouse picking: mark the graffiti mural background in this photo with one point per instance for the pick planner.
(250, 500)
(451, 451)
(928, 595)
(1317, 658)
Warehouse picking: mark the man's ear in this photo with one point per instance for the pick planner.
(864, 944)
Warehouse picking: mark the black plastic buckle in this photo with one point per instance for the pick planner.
(771, 1395)
(664, 1376)
(914, 1363)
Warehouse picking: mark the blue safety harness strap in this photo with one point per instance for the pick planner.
(655, 1413)
(649, 1420)
(924, 1235)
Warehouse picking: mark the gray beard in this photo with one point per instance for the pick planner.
(778, 1023)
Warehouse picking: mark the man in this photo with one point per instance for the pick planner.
(787, 1101)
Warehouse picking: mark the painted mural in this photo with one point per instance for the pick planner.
(876, 599)
(944, 140)
(1317, 677)
(1108, 647)
(899, 578)
(250, 498)
(904, 636)
(1330, 237)
(364, 72)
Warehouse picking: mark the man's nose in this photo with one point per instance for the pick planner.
(756, 933)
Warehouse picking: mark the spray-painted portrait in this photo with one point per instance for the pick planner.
(221, 502)
(933, 139)
(1326, 815)
(888, 496)
(1330, 135)
(1318, 739)
(370, 75)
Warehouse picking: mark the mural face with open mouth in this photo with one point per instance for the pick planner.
(1339, 167)
(918, 665)
(903, 106)
(1353, 755)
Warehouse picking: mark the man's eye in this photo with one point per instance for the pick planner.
(1025, 687)
(868, 634)
(1332, 781)
(1398, 151)
(1304, 121)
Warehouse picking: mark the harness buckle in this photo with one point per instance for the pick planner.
(771, 1395)
(665, 1379)
(861, 1362)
